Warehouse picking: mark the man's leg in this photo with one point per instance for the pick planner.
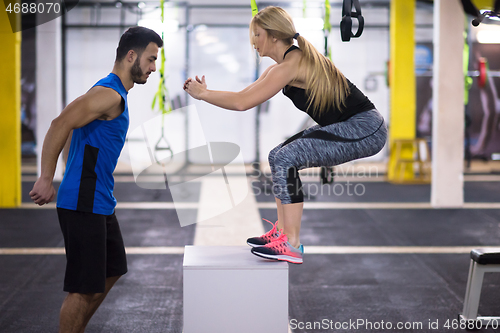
(77, 309)
(86, 268)
(98, 298)
(73, 312)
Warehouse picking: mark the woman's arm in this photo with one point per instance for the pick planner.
(262, 77)
(269, 84)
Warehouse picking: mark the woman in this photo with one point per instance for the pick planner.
(349, 125)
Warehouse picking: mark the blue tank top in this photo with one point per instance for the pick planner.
(88, 181)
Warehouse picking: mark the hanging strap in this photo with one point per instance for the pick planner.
(346, 23)
(255, 9)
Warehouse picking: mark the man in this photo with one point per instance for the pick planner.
(85, 203)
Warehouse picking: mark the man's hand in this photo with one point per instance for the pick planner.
(43, 192)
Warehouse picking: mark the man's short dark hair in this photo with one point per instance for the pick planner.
(137, 39)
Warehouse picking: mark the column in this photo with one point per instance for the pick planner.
(10, 110)
(402, 80)
(48, 83)
(448, 105)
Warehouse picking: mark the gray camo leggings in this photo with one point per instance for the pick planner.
(362, 135)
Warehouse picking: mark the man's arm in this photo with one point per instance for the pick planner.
(97, 103)
(66, 148)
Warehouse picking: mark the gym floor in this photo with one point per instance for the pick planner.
(385, 256)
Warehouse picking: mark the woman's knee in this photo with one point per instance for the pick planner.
(272, 157)
(381, 138)
(281, 164)
(375, 145)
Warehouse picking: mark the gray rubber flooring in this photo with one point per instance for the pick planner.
(327, 288)
(394, 288)
(147, 299)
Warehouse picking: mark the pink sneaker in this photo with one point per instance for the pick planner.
(268, 237)
(280, 249)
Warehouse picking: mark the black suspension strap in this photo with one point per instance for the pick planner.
(346, 23)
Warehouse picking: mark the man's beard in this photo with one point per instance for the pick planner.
(136, 73)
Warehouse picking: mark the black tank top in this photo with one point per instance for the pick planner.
(356, 102)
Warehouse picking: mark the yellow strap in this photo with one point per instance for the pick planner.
(255, 9)
(327, 25)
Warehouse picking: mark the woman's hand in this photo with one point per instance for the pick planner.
(195, 88)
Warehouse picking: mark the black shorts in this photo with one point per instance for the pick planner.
(94, 250)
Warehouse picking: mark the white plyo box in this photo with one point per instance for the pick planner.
(227, 289)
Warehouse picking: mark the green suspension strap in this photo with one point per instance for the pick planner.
(162, 93)
(326, 175)
(256, 164)
(468, 79)
(467, 85)
(162, 96)
(255, 9)
(327, 27)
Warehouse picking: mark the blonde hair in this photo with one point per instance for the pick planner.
(326, 86)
